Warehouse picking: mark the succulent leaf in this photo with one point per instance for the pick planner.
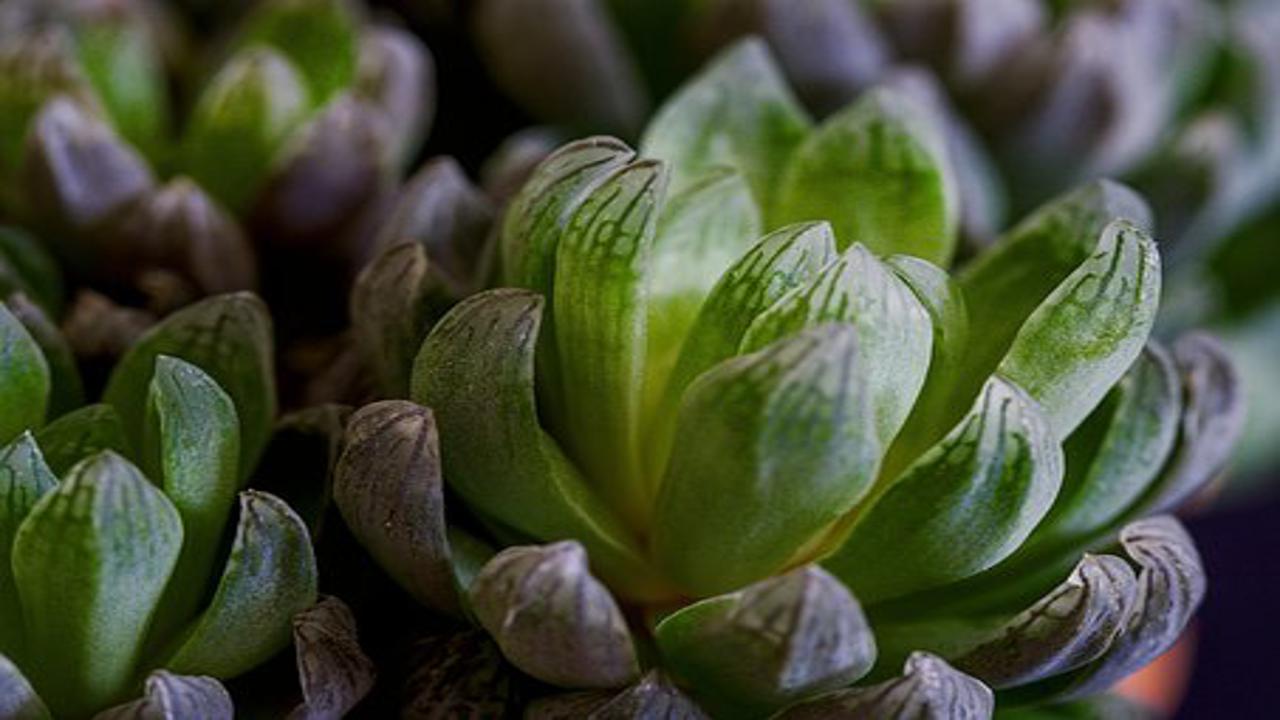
(66, 390)
(968, 503)
(599, 304)
(390, 312)
(879, 173)
(552, 619)
(894, 330)
(928, 689)
(318, 37)
(114, 537)
(475, 371)
(771, 448)
(269, 577)
(654, 695)
(176, 697)
(388, 487)
(395, 71)
(81, 433)
(26, 266)
(228, 337)
(1071, 626)
(1097, 321)
(240, 123)
(737, 113)
(1005, 284)
(119, 58)
(1212, 418)
(24, 479)
(24, 378)
(1171, 584)
(770, 644)
(18, 700)
(191, 448)
(333, 671)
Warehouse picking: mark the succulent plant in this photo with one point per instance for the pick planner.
(133, 550)
(733, 440)
(282, 166)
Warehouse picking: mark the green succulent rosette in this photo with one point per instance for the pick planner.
(289, 142)
(733, 439)
(138, 562)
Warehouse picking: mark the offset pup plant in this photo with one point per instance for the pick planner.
(733, 441)
(114, 519)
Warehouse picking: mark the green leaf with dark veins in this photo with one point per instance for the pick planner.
(66, 391)
(1084, 336)
(475, 371)
(895, 333)
(91, 561)
(770, 449)
(738, 113)
(599, 303)
(269, 577)
(878, 171)
(24, 479)
(227, 336)
(962, 507)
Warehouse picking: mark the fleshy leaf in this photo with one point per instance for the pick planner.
(227, 336)
(388, 487)
(1114, 456)
(75, 172)
(24, 479)
(895, 334)
(879, 173)
(552, 619)
(701, 233)
(1213, 416)
(457, 675)
(771, 448)
(537, 216)
(18, 700)
(928, 689)
(81, 433)
(770, 644)
(475, 371)
(66, 391)
(120, 58)
(653, 696)
(191, 446)
(319, 37)
(932, 416)
(739, 113)
(544, 70)
(240, 123)
(599, 306)
(35, 66)
(114, 537)
(176, 697)
(333, 671)
(24, 378)
(1006, 283)
(451, 218)
(962, 507)
(1090, 329)
(396, 72)
(390, 313)
(269, 577)
(1069, 627)
(1171, 584)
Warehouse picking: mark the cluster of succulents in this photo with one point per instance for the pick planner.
(765, 409)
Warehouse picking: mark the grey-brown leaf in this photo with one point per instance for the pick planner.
(928, 689)
(333, 671)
